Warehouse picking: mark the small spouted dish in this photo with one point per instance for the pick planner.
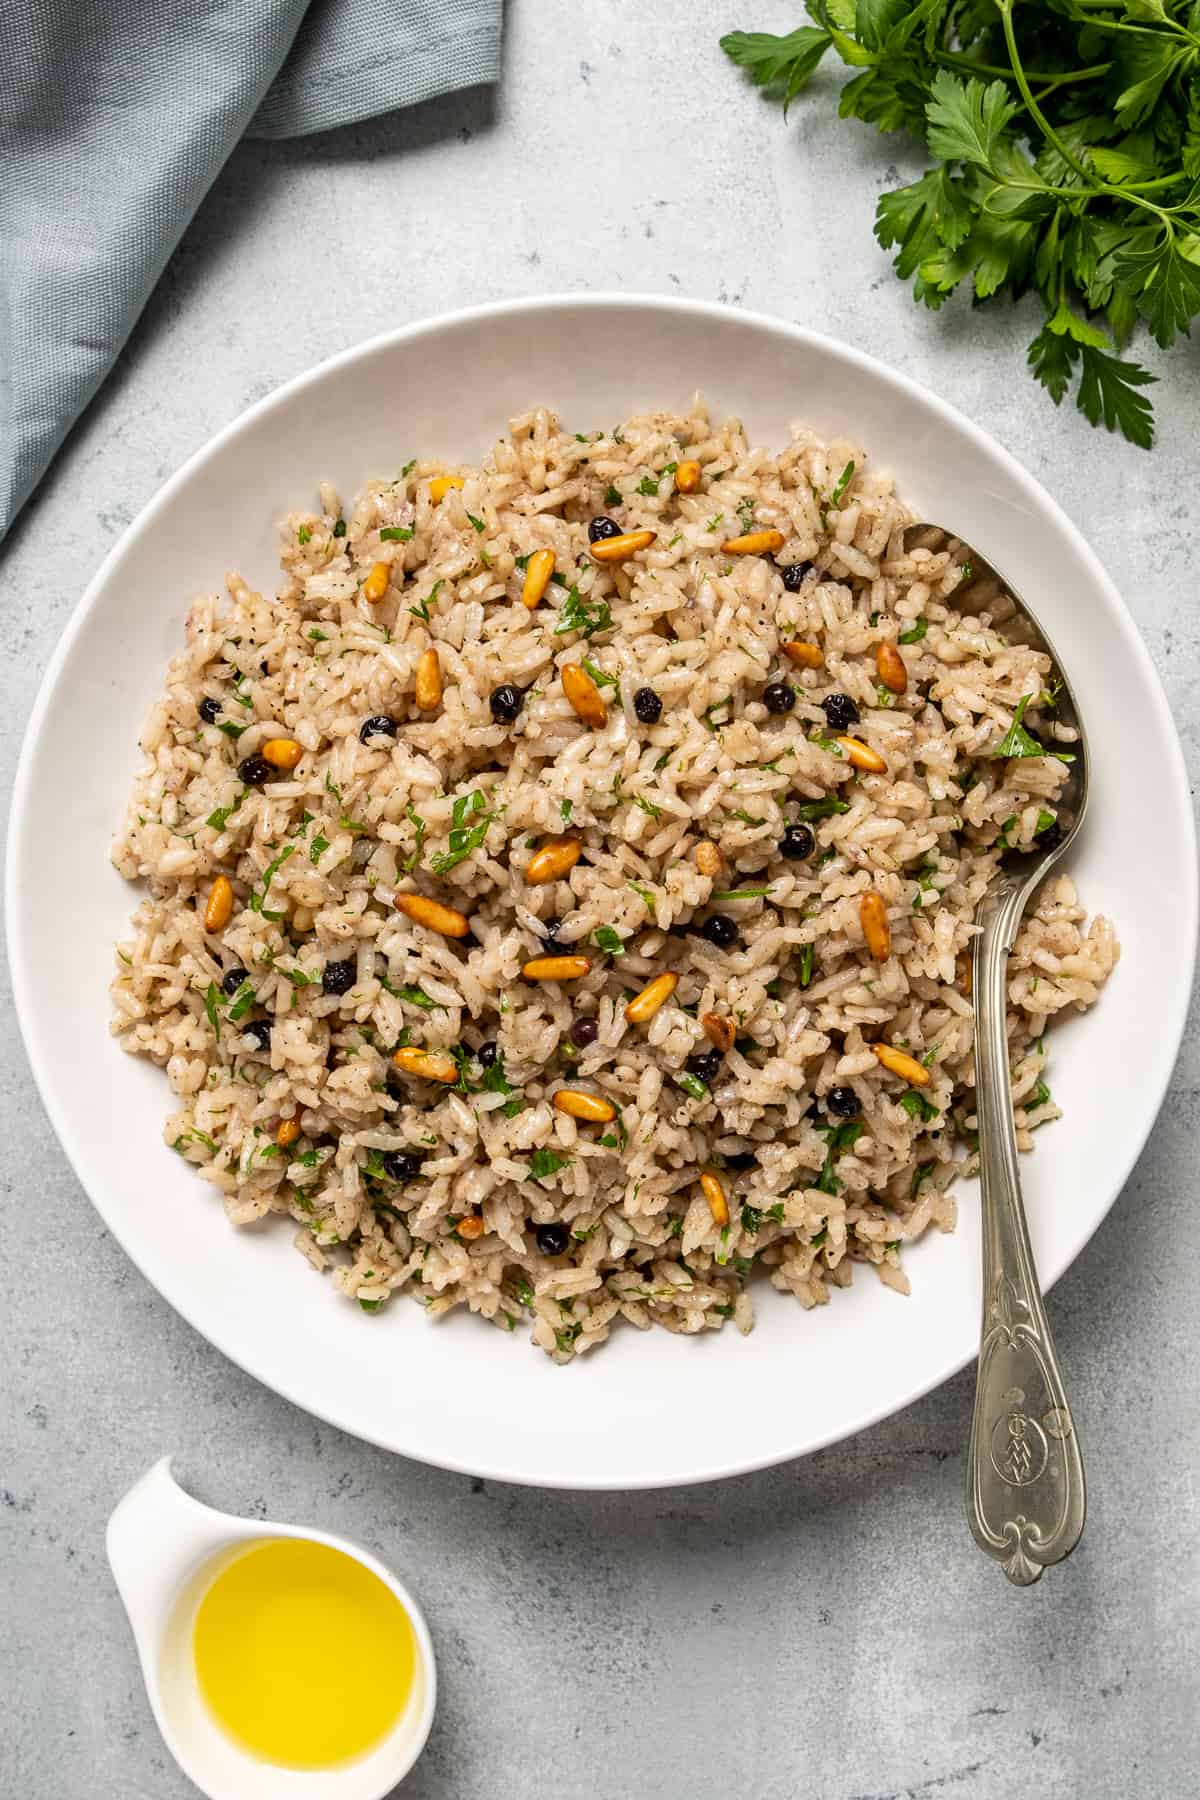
(559, 892)
(280, 1664)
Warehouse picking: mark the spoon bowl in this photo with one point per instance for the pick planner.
(165, 1550)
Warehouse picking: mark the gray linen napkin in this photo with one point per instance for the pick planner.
(115, 117)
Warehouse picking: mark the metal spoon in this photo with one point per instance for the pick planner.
(1026, 1497)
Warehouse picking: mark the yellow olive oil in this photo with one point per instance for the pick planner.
(303, 1656)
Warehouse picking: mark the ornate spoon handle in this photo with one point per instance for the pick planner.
(1025, 1489)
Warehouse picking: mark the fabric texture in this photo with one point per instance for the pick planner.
(115, 118)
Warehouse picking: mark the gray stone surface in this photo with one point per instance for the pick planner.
(824, 1629)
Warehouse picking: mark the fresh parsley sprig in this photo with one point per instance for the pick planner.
(1066, 161)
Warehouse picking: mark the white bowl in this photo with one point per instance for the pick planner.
(646, 1409)
(165, 1550)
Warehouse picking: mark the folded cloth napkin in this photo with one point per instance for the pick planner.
(116, 115)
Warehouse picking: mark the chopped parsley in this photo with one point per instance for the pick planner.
(612, 495)
(576, 615)
(258, 901)
(304, 534)
(644, 894)
(840, 486)
(714, 724)
(601, 678)
(565, 810)
(822, 809)
(648, 486)
(918, 1107)
(805, 965)
(606, 938)
(544, 1163)
(914, 633)
(242, 1001)
(1044, 821)
(692, 1084)
(648, 806)
(416, 996)
(750, 893)
(464, 838)
(318, 847)
(231, 730)
(212, 1000)
(415, 819)
(839, 1139)
(478, 524)
(217, 819)
(396, 534)
(339, 529)
(1040, 1095)
(1017, 741)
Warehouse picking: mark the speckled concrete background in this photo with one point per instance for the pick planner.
(824, 1630)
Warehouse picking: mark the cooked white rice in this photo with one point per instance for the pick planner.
(316, 855)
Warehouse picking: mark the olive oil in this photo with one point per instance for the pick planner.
(303, 1656)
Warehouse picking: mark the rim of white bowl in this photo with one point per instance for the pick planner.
(1173, 1004)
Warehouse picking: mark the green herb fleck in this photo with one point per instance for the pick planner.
(914, 633)
(464, 838)
(576, 615)
(304, 534)
(544, 1163)
(692, 1084)
(396, 534)
(258, 900)
(606, 938)
(918, 1107)
(1016, 741)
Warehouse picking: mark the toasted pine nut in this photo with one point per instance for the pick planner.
(429, 681)
(616, 549)
(430, 1065)
(289, 1131)
(753, 543)
(708, 857)
(218, 909)
(718, 1030)
(714, 1193)
(687, 477)
(804, 655)
(890, 666)
(579, 1105)
(898, 1062)
(553, 860)
(964, 968)
(644, 1005)
(440, 486)
(470, 1228)
(876, 930)
(303, 919)
(583, 693)
(432, 914)
(376, 584)
(538, 571)
(282, 753)
(556, 968)
(862, 755)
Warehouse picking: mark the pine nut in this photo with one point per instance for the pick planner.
(282, 753)
(714, 1193)
(579, 1105)
(718, 1030)
(430, 1065)
(553, 860)
(708, 858)
(897, 1062)
(616, 549)
(538, 571)
(583, 693)
(804, 655)
(441, 485)
(289, 1131)
(556, 968)
(687, 477)
(429, 681)
(862, 756)
(876, 930)
(376, 584)
(890, 667)
(218, 909)
(643, 1006)
(470, 1228)
(432, 914)
(753, 543)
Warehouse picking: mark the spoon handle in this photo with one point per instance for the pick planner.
(1025, 1489)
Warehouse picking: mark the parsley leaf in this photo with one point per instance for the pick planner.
(463, 838)
(544, 1163)
(913, 634)
(599, 676)
(606, 938)
(218, 818)
(918, 1107)
(396, 534)
(576, 615)
(822, 809)
(258, 900)
(415, 819)
(1017, 741)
